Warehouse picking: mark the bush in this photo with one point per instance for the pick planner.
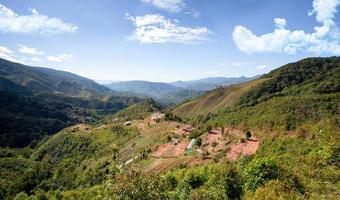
(248, 134)
(260, 171)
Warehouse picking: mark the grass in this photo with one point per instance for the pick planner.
(214, 100)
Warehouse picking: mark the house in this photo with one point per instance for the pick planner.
(189, 147)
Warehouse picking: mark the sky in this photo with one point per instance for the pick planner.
(167, 40)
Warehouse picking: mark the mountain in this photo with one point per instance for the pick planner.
(214, 100)
(286, 98)
(44, 80)
(36, 101)
(162, 92)
(282, 128)
(211, 82)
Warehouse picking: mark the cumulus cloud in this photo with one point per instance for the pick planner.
(157, 29)
(172, 6)
(29, 50)
(324, 39)
(8, 54)
(11, 22)
(60, 58)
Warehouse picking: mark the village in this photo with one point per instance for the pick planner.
(179, 148)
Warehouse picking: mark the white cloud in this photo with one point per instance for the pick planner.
(172, 6)
(157, 29)
(5, 53)
(193, 13)
(324, 39)
(280, 22)
(261, 67)
(324, 9)
(10, 22)
(8, 54)
(60, 58)
(29, 50)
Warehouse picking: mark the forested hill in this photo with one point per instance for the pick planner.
(44, 80)
(308, 76)
(284, 99)
(35, 102)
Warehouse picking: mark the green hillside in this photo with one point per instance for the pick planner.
(35, 102)
(138, 111)
(292, 116)
(214, 100)
(307, 91)
(44, 80)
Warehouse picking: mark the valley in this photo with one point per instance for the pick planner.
(275, 136)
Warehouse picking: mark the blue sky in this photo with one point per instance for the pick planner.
(167, 40)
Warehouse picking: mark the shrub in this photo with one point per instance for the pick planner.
(258, 172)
(248, 134)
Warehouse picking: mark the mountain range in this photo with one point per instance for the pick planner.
(275, 137)
(174, 92)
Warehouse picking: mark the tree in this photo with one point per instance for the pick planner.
(209, 128)
(199, 141)
(260, 171)
(248, 134)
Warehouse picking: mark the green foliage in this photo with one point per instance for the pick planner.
(138, 185)
(319, 73)
(248, 134)
(138, 111)
(35, 102)
(213, 181)
(258, 172)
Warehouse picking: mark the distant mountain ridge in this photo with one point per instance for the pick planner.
(212, 82)
(174, 92)
(161, 92)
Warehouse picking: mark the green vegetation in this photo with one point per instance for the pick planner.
(138, 111)
(214, 100)
(35, 102)
(293, 112)
(164, 93)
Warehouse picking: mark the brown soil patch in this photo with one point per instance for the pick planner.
(247, 148)
(171, 150)
(165, 164)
